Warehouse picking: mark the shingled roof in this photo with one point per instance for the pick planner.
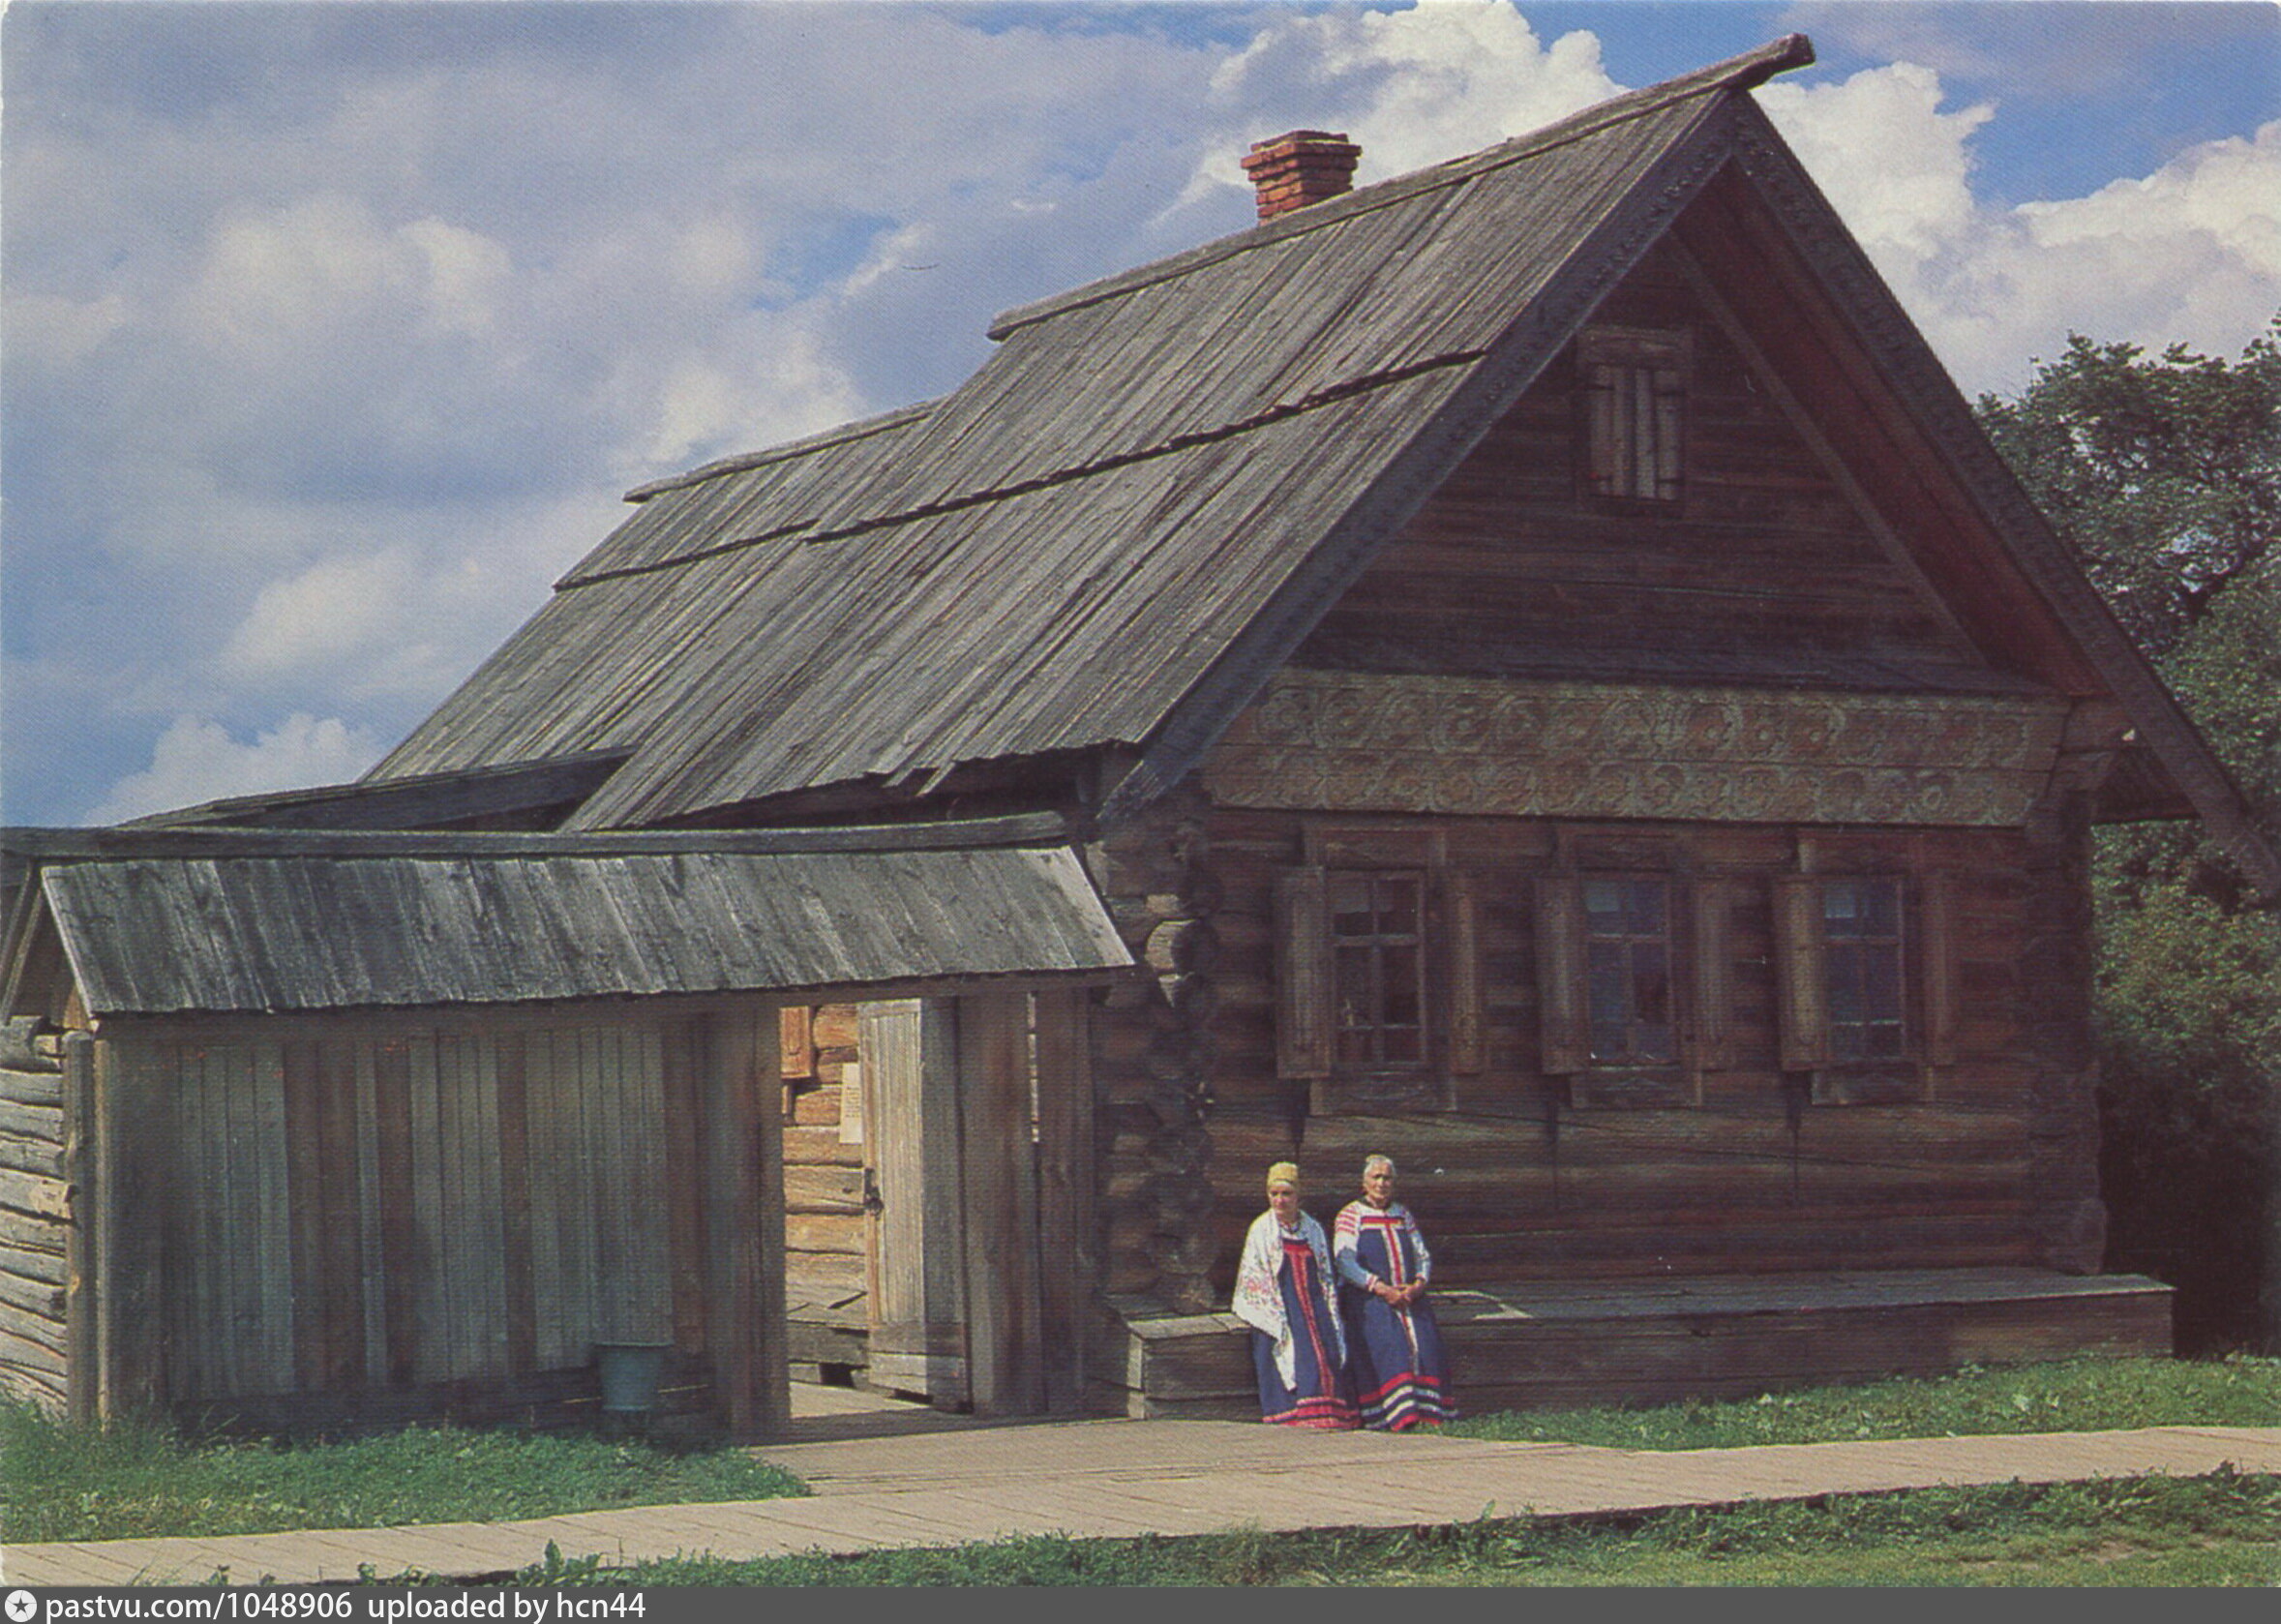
(1111, 535)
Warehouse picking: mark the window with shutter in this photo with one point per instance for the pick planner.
(1378, 985)
(1635, 412)
(1844, 966)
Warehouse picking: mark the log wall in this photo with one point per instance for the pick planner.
(1525, 1175)
(38, 1237)
(824, 1135)
(1766, 560)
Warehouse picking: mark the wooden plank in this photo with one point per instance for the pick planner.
(1468, 1042)
(652, 1183)
(402, 1259)
(1799, 976)
(521, 1306)
(1305, 988)
(1564, 1033)
(550, 1116)
(1006, 1365)
(81, 1280)
(732, 1134)
(486, 1224)
(32, 1121)
(135, 1124)
(340, 1230)
(1067, 1214)
(306, 1180)
(684, 1209)
(372, 1297)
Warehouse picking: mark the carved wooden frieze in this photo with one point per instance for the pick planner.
(1360, 741)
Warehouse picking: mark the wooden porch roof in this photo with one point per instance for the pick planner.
(177, 923)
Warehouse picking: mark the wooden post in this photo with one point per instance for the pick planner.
(1068, 1245)
(81, 1280)
(134, 1134)
(1005, 1359)
(744, 1221)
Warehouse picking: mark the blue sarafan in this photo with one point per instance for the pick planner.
(1528, 666)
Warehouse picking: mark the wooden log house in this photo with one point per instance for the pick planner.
(1552, 685)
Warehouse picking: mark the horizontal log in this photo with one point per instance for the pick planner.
(30, 1194)
(31, 1341)
(23, 1047)
(29, 1245)
(32, 1087)
(43, 1299)
(816, 1107)
(31, 1120)
(37, 1157)
(40, 1389)
(824, 1189)
(823, 1274)
(819, 1147)
(813, 1232)
(41, 1267)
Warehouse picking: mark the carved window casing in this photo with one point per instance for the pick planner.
(1378, 1000)
(1866, 984)
(1635, 412)
(1632, 986)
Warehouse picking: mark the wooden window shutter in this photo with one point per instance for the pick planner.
(1939, 958)
(1563, 1029)
(1669, 388)
(1305, 1005)
(1714, 977)
(1801, 986)
(1461, 944)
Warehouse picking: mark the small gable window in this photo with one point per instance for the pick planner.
(1635, 395)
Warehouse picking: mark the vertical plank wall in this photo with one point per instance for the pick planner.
(389, 1204)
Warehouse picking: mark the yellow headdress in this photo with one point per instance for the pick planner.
(1284, 1173)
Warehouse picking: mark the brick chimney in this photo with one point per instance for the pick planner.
(1304, 166)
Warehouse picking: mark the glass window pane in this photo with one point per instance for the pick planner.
(1398, 907)
(1401, 992)
(1881, 907)
(1358, 1001)
(1405, 1045)
(1603, 900)
(1647, 907)
(1881, 982)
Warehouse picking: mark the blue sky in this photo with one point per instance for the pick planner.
(335, 332)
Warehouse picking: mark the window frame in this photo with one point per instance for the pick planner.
(1633, 390)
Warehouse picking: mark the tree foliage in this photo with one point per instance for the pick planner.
(2163, 476)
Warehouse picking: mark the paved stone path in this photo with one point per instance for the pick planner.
(1112, 1477)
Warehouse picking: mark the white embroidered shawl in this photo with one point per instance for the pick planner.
(1259, 1293)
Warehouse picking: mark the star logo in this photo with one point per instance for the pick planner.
(20, 1606)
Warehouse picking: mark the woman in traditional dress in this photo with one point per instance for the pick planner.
(1284, 1292)
(1401, 1374)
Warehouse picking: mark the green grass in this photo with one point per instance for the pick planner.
(2063, 1396)
(126, 1482)
(2224, 1529)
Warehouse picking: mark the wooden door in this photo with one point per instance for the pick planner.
(979, 1155)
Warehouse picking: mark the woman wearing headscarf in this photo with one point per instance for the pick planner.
(1400, 1370)
(1284, 1292)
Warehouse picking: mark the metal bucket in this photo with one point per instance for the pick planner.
(630, 1373)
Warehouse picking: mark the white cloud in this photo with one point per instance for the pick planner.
(2190, 253)
(197, 759)
(1412, 88)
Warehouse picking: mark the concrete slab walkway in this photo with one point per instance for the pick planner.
(1091, 1478)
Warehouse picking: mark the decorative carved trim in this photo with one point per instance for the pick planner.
(1362, 742)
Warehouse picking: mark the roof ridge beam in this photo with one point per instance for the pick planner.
(1737, 73)
(53, 846)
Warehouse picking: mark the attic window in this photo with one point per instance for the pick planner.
(1635, 395)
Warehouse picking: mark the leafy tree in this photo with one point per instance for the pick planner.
(2164, 475)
